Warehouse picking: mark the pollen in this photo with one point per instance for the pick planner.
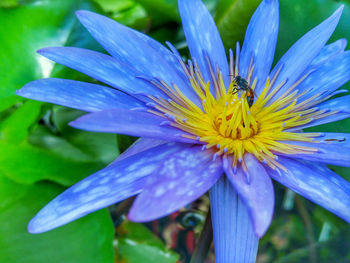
(234, 120)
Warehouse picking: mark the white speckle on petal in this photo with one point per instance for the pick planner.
(190, 193)
(81, 186)
(159, 191)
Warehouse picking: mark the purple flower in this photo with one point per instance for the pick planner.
(209, 124)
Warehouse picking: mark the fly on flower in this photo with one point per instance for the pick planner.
(199, 134)
(242, 85)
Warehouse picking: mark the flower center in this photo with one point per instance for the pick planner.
(234, 120)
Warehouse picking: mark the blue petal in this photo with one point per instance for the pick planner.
(301, 54)
(123, 42)
(316, 183)
(180, 179)
(260, 41)
(334, 138)
(328, 77)
(110, 185)
(234, 236)
(100, 67)
(141, 145)
(333, 148)
(332, 118)
(329, 52)
(340, 105)
(203, 38)
(138, 50)
(255, 189)
(79, 95)
(133, 123)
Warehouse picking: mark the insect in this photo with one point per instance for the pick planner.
(242, 85)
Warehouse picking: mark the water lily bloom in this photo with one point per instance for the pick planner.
(217, 124)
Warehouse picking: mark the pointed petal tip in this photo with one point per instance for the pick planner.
(133, 216)
(260, 41)
(271, 1)
(260, 232)
(41, 50)
(80, 122)
(83, 15)
(74, 124)
(35, 227)
(260, 229)
(81, 12)
(203, 37)
(31, 228)
(47, 50)
(25, 90)
(344, 42)
(39, 224)
(19, 92)
(271, 4)
(341, 7)
(337, 13)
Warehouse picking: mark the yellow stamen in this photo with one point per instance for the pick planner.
(228, 125)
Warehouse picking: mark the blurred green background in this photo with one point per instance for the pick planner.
(40, 155)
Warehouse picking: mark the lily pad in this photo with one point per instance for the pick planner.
(27, 28)
(86, 240)
(138, 244)
(232, 18)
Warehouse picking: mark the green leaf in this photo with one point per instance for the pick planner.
(127, 12)
(15, 128)
(8, 102)
(232, 18)
(102, 147)
(334, 250)
(28, 164)
(164, 11)
(115, 5)
(125, 141)
(43, 138)
(8, 3)
(161, 11)
(297, 17)
(135, 16)
(137, 244)
(47, 155)
(27, 28)
(86, 240)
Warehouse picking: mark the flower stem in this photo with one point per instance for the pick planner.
(204, 241)
(309, 228)
(234, 235)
